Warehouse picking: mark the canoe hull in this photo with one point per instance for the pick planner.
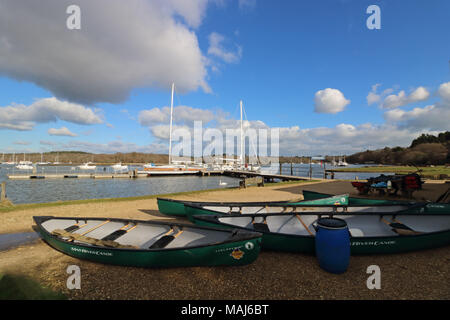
(358, 245)
(212, 255)
(178, 208)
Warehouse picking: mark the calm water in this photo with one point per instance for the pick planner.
(50, 190)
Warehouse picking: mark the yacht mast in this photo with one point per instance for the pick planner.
(170, 129)
(242, 139)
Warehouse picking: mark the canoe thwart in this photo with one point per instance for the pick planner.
(89, 240)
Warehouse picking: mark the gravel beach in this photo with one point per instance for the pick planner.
(416, 275)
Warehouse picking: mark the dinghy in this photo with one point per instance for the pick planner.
(370, 233)
(173, 207)
(148, 243)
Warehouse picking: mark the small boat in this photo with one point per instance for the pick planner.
(370, 232)
(174, 207)
(148, 243)
(87, 166)
(119, 167)
(24, 167)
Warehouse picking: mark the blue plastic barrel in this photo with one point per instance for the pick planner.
(333, 244)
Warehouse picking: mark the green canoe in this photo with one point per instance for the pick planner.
(371, 233)
(404, 206)
(313, 195)
(173, 207)
(148, 243)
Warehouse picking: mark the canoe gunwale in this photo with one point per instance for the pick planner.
(235, 234)
(226, 204)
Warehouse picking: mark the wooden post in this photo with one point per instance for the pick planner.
(310, 168)
(324, 170)
(3, 194)
(292, 170)
(280, 168)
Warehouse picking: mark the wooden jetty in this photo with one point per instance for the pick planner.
(267, 177)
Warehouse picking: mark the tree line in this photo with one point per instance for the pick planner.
(425, 150)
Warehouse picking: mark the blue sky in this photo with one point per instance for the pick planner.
(285, 59)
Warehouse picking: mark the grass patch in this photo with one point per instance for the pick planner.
(426, 171)
(15, 287)
(154, 196)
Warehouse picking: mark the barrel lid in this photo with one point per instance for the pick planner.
(332, 223)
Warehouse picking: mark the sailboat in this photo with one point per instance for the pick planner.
(119, 167)
(342, 163)
(57, 159)
(24, 162)
(171, 168)
(242, 164)
(25, 165)
(87, 166)
(42, 161)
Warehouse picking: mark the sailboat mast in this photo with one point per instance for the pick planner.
(170, 128)
(242, 138)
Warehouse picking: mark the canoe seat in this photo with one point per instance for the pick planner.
(263, 227)
(166, 239)
(162, 242)
(354, 232)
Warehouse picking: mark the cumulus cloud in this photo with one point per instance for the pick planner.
(433, 117)
(329, 101)
(63, 131)
(181, 114)
(24, 118)
(22, 143)
(122, 45)
(444, 91)
(402, 99)
(374, 97)
(217, 49)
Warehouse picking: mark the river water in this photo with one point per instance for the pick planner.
(51, 190)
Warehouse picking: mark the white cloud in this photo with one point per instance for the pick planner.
(217, 49)
(23, 143)
(433, 117)
(181, 114)
(329, 101)
(444, 91)
(22, 117)
(401, 99)
(374, 97)
(63, 131)
(122, 45)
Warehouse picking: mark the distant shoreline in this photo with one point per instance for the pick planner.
(435, 172)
